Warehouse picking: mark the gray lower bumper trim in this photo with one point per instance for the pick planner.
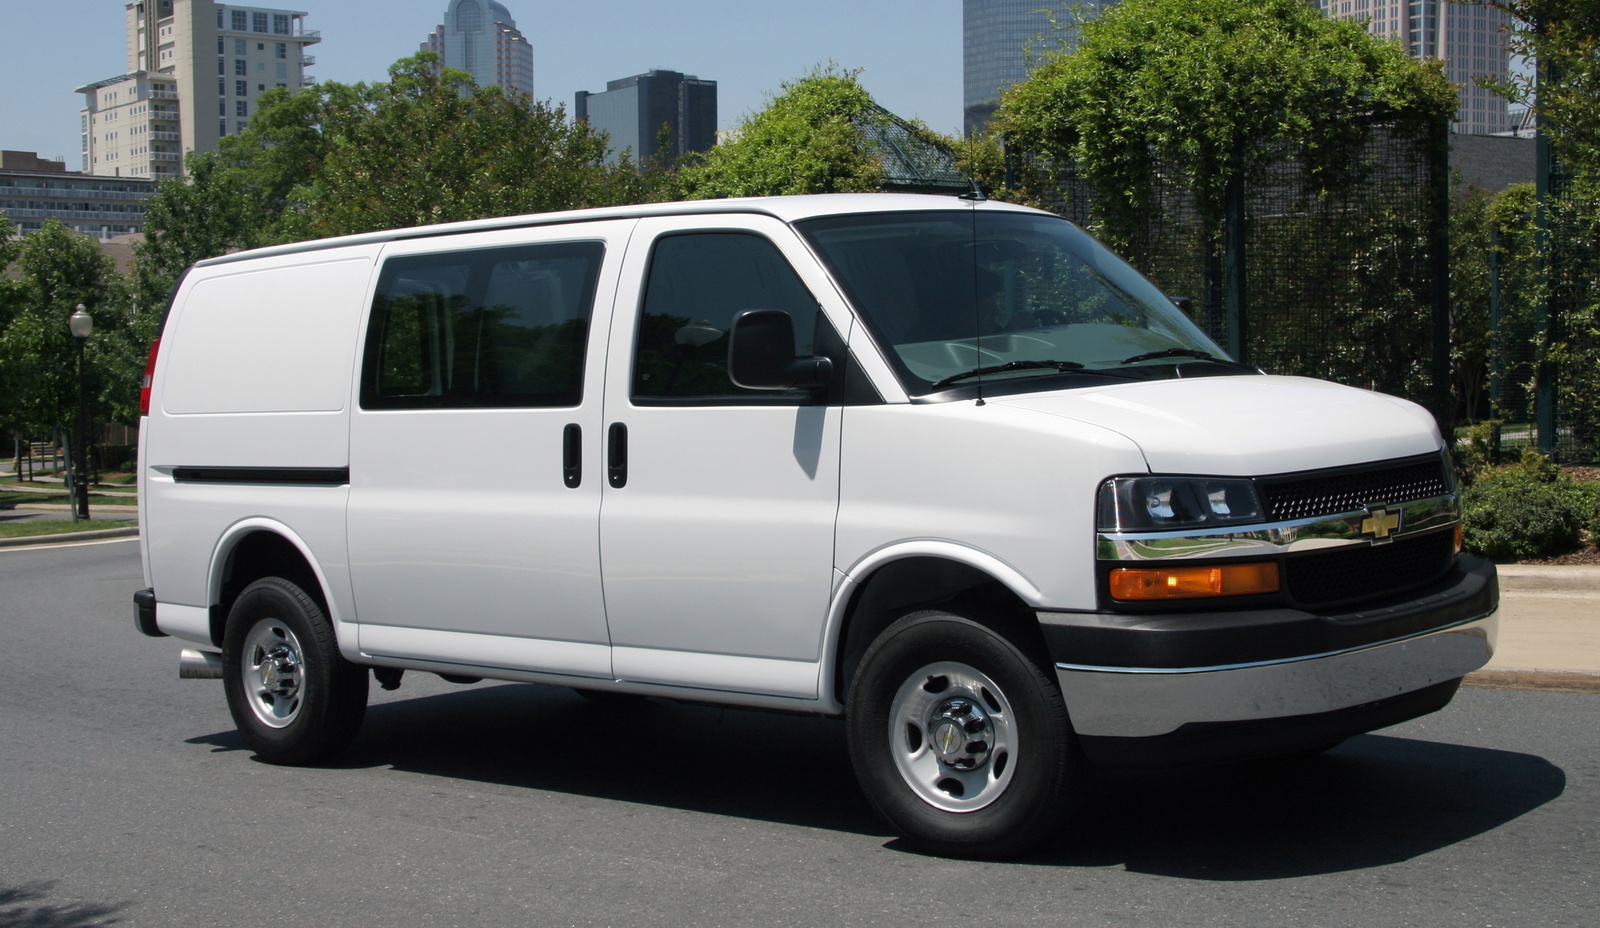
(1138, 702)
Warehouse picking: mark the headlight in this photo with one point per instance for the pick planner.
(1159, 504)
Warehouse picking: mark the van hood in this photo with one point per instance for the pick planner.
(1246, 426)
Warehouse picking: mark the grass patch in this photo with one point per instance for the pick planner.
(30, 529)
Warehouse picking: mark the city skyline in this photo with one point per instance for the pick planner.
(481, 37)
(916, 76)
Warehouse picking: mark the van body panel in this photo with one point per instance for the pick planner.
(728, 672)
(384, 643)
(1247, 426)
(496, 544)
(998, 480)
(270, 340)
(252, 377)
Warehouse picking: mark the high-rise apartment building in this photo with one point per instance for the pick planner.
(480, 37)
(34, 190)
(142, 123)
(634, 110)
(1469, 37)
(995, 39)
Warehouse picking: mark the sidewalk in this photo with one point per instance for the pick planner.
(1549, 630)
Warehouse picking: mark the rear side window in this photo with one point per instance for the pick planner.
(698, 282)
(491, 328)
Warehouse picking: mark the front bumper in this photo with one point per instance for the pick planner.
(1162, 689)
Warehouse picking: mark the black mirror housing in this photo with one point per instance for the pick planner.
(761, 354)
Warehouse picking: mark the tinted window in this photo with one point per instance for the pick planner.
(697, 283)
(497, 327)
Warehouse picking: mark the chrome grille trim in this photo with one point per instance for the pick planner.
(1279, 538)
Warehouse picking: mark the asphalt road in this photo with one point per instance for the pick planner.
(126, 798)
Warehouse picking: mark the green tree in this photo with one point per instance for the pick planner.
(1470, 334)
(1215, 91)
(430, 146)
(55, 270)
(427, 146)
(1563, 36)
(806, 140)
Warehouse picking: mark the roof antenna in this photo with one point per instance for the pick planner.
(975, 194)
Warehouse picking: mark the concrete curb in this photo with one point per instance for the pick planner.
(1547, 681)
(61, 538)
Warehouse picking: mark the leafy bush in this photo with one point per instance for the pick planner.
(1478, 449)
(1527, 510)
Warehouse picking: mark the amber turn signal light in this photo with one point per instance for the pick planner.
(1156, 583)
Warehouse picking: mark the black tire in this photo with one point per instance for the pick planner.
(932, 679)
(294, 697)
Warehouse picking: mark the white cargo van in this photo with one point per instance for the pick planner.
(944, 468)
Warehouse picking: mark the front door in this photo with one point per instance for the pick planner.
(716, 528)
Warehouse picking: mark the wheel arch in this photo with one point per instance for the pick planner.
(892, 581)
(254, 548)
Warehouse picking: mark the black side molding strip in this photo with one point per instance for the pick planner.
(297, 476)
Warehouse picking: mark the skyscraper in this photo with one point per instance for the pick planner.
(995, 37)
(1469, 37)
(633, 111)
(480, 37)
(141, 123)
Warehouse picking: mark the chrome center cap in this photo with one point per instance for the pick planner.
(960, 733)
(278, 670)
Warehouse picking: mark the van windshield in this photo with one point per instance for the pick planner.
(1015, 301)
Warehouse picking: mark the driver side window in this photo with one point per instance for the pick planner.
(697, 283)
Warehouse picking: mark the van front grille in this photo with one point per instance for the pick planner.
(1330, 492)
(1362, 572)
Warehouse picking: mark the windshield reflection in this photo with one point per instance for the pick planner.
(998, 298)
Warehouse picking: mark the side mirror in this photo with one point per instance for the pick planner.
(761, 354)
(1184, 304)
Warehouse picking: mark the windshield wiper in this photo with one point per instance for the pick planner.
(1010, 366)
(1184, 353)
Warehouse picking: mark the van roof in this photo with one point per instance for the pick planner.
(787, 209)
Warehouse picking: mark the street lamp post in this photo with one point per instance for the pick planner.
(81, 324)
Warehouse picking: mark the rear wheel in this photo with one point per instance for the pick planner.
(959, 739)
(294, 697)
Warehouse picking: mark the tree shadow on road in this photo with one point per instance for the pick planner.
(17, 909)
(1373, 801)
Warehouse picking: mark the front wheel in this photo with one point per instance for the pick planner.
(294, 697)
(960, 740)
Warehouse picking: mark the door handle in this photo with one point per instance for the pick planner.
(617, 455)
(572, 455)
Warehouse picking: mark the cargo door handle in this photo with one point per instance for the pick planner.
(572, 455)
(617, 455)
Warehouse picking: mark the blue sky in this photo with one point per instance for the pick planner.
(909, 50)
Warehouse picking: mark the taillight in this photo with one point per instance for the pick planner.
(149, 372)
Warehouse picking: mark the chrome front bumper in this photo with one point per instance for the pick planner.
(1124, 702)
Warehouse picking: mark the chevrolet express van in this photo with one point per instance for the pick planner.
(944, 468)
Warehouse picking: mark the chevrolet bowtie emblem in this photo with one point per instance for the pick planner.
(1380, 523)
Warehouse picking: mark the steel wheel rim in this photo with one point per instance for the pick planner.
(272, 673)
(925, 723)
